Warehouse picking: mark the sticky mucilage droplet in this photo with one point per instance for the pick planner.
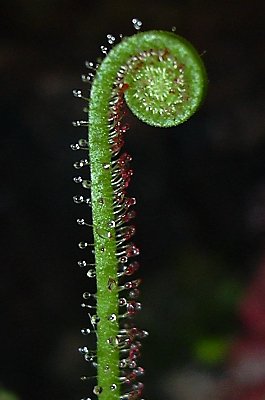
(75, 147)
(78, 199)
(137, 24)
(97, 390)
(85, 331)
(91, 273)
(83, 350)
(77, 93)
(112, 318)
(82, 264)
(111, 39)
(82, 245)
(78, 179)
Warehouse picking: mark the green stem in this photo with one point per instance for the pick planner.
(105, 247)
(163, 80)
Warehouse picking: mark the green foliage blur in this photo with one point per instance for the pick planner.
(7, 395)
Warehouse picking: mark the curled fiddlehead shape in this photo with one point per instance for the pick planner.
(162, 79)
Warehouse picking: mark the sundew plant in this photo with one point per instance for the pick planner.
(161, 78)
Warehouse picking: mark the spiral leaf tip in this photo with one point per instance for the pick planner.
(166, 81)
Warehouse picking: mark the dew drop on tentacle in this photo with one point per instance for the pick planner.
(106, 166)
(113, 387)
(110, 38)
(123, 260)
(85, 331)
(104, 50)
(82, 264)
(83, 143)
(88, 78)
(97, 390)
(81, 199)
(83, 350)
(82, 222)
(133, 307)
(78, 179)
(81, 163)
(75, 146)
(132, 268)
(123, 363)
(134, 294)
(86, 184)
(83, 245)
(113, 341)
(83, 305)
(78, 199)
(77, 93)
(132, 250)
(91, 273)
(112, 318)
(79, 123)
(87, 295)
(89, 358)
(91, 65)
(122, 301)
(128, 216)
(84, 378)
(137, 24)
(132, 284)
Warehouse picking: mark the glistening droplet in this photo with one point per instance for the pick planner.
(80, 164)
(78, 179)
(113, 341)
(77, 92)
(78, 199)
(75, 147)
(123, 363)
(134, 293)
(106, 166)
(89, 357)
(91, 273)
(86, 184)
(94, 319)
(104, 49)
(97, 390)
(82, 263)
(83, 350)
(84, 378)
(83, 142)
(87, 295)
(110, 38)
(137, 24)
(82, 245)
(79, 123)
(90, 65)
(85, 331)
(112, 317)
(122, 301)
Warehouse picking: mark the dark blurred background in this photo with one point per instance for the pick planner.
(200, 191)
